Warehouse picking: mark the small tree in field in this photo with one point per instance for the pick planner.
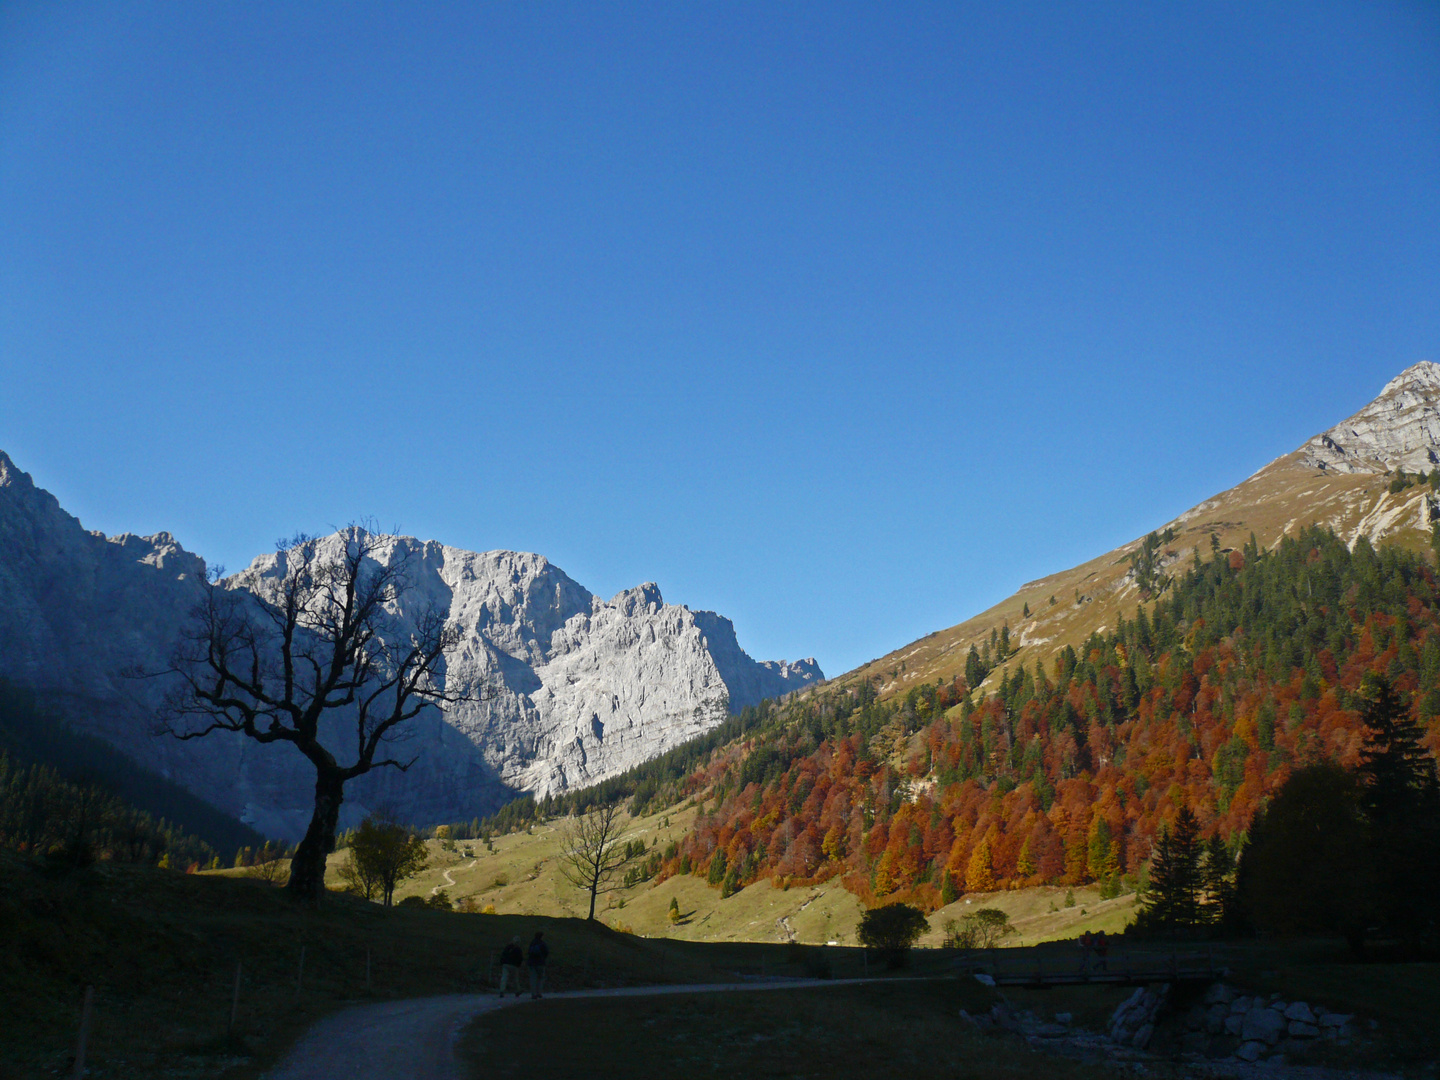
(383, 853)
(981, 929)
(269, 865)
(592, 853)
(892, 929)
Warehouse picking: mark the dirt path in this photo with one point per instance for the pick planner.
(415, 1039)
(450, 881)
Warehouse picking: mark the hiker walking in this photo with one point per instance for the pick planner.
(510, 960)
(1101, 948)
(535, 958)
(1085, 943)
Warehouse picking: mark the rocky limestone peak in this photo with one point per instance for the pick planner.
(565, 689)
(1400, 429)
(16, 484)
(9, 474)
(637, 601)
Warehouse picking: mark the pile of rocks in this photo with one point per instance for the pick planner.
(1228, 1023)
(1133, 1023)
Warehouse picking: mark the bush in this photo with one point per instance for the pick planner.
(981, 929)
(892, 929)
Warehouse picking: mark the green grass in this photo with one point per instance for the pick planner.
(527, 863)
(160, 949)
(900, 1029)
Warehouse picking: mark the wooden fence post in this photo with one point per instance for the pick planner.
(84, 1036)
(235, 1000)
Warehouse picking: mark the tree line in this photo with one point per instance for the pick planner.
(1247, 670)
(1350, 852)
(72, 799)
(72, 825)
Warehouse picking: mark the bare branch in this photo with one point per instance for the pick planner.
(270, 654)
(591, 852)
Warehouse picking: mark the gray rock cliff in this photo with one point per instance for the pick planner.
(1399, 429)
(569, 689)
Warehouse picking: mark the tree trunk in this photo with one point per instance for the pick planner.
(307, 868)
(593, 890)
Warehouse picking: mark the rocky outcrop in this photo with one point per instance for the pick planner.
(566, 689)
(1234, 1026)
(1400, 429)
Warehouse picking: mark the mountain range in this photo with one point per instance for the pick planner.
(579, 689)
(576, 688)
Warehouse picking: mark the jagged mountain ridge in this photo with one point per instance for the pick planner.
(1340, 478)
(577, 689)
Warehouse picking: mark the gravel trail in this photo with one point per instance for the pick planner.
(415, 1039)
(450, 881)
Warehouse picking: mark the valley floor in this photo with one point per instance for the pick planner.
(522, 876)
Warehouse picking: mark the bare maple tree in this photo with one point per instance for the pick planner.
(591, 852)
(321, 638)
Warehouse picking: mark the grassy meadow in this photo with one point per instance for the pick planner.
(522, 874)
(161, 950)
(900, 1029)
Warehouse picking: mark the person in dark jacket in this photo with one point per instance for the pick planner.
(535, 957)
(510, 960)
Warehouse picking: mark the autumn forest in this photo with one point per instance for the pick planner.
(1245, 667)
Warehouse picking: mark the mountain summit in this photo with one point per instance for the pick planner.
(1400, 429)
(575, 688)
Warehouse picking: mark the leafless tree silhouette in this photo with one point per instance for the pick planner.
(591, 852)
(274, 655)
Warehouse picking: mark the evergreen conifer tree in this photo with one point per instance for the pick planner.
(948, 893)
(1401, 802)
(1217, 870)
(1173, 901)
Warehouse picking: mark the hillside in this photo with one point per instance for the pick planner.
(517, 873)
(1202, 666)
(1344, 478)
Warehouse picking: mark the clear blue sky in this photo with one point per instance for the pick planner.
(842, 320)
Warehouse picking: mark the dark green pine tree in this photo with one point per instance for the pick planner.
(1173, 899)
(1217, 881)
(948, 893)
(1401, 801)
(974, 669)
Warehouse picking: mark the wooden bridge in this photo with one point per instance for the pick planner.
(1040, 967)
